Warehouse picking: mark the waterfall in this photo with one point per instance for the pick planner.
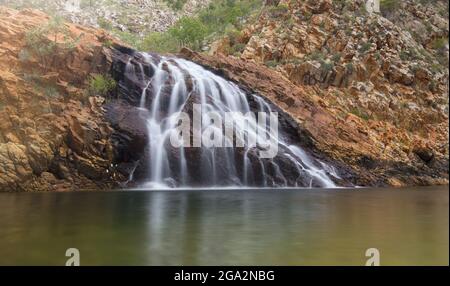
(169, 86)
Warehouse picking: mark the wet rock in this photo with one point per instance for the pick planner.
(130, 136)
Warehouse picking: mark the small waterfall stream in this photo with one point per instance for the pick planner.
(172, 85)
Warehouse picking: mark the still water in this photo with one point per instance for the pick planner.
(227, 227)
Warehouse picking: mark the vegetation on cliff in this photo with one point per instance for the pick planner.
(223, 17)
(383, 76)
(53, 80)
(369, 90)
(127, 17)
(48, 41)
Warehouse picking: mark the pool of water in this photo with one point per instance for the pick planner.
(227, 227)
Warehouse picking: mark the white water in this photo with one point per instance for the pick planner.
(174, 84)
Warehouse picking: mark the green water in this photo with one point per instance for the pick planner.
(228, 227)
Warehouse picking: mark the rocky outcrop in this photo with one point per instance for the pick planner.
(130, 16)
(374, 157)
(382, 91)
(53, 135)
(362, 92)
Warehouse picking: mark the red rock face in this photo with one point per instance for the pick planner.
(378, 87)
(353, 86)
(52, 133)
(349, 140)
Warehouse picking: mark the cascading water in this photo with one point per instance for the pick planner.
(170, 85)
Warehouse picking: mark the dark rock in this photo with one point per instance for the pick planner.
(129, 137)
(424, 154)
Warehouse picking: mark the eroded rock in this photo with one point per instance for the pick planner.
(53, 135)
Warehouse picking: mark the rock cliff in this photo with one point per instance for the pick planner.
(52, 133)
(377, 84)
(132, 16)
(368, 91)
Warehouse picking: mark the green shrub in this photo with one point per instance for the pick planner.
(189, 32)
(378, 56)
(104, 24)
(160, 43)
(50, 91)
(107, 43)
(237, 49)
(349, 68)
(101, 84)
(176, 4)
(222, 13)
(360, 113)
(389, 5)
(316, 56)
(404, 55)
(432, 86)
(365, 47)
(440, 43)
(48, 40)
(233, 34)
(217, 19)
(278, 11)
(127, 37)
(336, 57)
(326, 66)
(271, 63)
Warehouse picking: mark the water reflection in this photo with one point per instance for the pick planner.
(318, 227)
